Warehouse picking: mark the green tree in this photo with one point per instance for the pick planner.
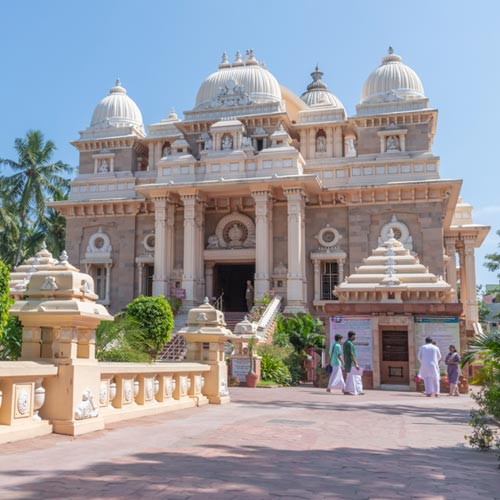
(155, 317)
(493, 264)
(5, 300)
(35, 179)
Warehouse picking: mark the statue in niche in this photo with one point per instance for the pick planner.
(249, 295)
(247, 142)
(227, 142)
(320, 144)
(104, 167)
(209, 144)
(167, 150)
(393, 143)
(213, 241)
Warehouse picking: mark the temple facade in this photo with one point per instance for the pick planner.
(259, 184)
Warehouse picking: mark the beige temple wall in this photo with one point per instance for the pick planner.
(417, 138)
(125, 160)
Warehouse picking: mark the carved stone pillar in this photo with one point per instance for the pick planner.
(263, 257)
(140, 278)
(317, 280)
(471, 313)
(209, 279)
(296, 279)
(329, 141)
(311, 143)
(341, 270)
(193, 223)
(451, 264)
(337, 142)
(463, 279)
(164, 244)
(151, 156)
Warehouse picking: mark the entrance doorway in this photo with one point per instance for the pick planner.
(394, 366)
(232, 280)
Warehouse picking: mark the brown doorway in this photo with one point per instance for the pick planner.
(394, 366)
(232, 280)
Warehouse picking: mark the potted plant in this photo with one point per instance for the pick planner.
(252, 378)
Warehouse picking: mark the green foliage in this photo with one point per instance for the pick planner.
(175, 304)
(303, 331)
(275, 370)
(11, 340)
(493, 260)
(288, 356)
(5, 300)
(156, 319)
(485, 349)
(122, 340)
(35, 180)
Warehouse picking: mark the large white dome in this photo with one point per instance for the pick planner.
(318, 95)
(117, 110)
(242, 82)
(392, 81)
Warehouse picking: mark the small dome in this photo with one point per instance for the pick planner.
(245, 81)
(392, 81)
(117, 110)
(317, 93)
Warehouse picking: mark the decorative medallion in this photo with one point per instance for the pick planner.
(328, 237)
(23, 402)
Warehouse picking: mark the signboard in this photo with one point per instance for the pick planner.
(240, 367)
(362, 325)
(444, 331)
(179, 293)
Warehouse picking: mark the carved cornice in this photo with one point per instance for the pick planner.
(105, 208)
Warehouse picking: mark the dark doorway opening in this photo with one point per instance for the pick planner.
(232, 280)
(395, 360)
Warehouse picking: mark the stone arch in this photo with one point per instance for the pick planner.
(236, 230)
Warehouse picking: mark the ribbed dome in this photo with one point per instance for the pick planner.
(318, 94)
(117, 110)
(392, 81)
(242, 82)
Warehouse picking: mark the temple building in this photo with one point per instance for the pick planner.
(257, 183)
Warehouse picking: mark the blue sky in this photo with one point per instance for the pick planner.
(59, 59)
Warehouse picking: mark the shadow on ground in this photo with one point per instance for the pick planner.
(256, 472)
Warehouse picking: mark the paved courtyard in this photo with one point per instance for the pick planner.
(290, 443)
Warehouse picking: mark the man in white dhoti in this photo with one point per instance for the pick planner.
(336, 362)
(429, 357)
(353, 383)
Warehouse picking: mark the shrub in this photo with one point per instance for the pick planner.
(156, 319)
(273, 369)
(11, 340)
(288, 356)
(122, 340)
(5, 300)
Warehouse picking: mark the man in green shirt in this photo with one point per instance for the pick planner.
(353, 384)
(336, 362)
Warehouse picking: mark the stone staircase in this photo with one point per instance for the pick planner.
(233, 318)
(175, 350)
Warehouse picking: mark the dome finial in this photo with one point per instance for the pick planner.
(390, 51)
(118, 83)
(224, 63)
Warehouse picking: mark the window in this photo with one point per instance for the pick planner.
(100, 282)
(148, 289)
(260, 144)
(329, 280)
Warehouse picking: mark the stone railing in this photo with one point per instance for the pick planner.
(22, 395)
(130, 390)
(266, 324)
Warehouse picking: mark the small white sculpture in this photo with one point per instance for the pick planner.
(392, 143)
(227, 142)
(209, 144)
(247, 142)
(213, 241)
(86, 408)
(49, 284)
(320, 144)
(104, 166)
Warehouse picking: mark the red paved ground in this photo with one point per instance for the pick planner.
(296, 443)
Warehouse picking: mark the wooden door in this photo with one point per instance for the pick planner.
(394, 367)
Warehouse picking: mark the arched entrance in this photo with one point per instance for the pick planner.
(231, 279)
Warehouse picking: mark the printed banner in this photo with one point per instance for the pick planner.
(444, 331)
(362, 325)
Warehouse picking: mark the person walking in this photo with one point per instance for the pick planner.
(452, 362)
(429, 357)
(336, 362)
(353, 383)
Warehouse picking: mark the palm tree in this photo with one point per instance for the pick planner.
(34, 180)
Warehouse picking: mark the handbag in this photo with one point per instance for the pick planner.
(328, 369)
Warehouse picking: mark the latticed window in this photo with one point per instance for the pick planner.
(100, 282)
(329, 280)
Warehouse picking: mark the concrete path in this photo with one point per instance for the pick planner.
(294, 443)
